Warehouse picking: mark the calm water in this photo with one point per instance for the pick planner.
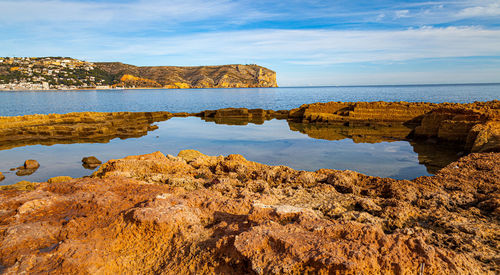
(195, 100)
(271, 143)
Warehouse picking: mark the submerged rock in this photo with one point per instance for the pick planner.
(25, 172)
(162, 214)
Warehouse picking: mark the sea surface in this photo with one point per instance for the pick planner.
(273, 142)
(15, 103)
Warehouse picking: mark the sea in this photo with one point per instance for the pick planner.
(273, 142)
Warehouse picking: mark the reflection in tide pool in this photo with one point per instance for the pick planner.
(270, 143)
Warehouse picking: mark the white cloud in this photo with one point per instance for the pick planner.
(402, 13)
(142, 11)
(320, 47)
(486, 9)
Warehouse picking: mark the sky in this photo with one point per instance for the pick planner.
(317, 43)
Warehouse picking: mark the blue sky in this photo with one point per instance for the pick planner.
(305, 42)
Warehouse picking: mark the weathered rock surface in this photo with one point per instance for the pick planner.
(59, 179)
(164, 214)
(475, 125)
(31, 164)
(2, 177)
(225, 76)
(76, 127)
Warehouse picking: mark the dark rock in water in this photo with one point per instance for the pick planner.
(90, 166)
(25, 172)
(12, 169)
(31, 164)
(2, 177)
(91, 161)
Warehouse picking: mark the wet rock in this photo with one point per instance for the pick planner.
(25, 172)
(2, 177)
(31, 164)
(91, 161)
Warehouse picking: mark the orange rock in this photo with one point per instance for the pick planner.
(141, 214)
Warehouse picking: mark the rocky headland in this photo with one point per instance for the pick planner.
(65, 73)
(193, 213)
(175, 77)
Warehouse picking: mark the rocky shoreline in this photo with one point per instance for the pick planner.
(203, 214)
(474, 126)
(200, 214)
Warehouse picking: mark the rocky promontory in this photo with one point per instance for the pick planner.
(224, 76)
(157, 214)
(65, 73)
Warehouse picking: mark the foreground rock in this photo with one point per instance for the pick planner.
(199, 214)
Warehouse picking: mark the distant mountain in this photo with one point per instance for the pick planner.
(61, 73)
(225, 76)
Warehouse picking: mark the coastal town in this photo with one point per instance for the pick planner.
(51, 73)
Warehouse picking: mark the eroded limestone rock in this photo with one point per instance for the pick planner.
(162, 214)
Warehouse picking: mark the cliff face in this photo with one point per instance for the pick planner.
(225, 76)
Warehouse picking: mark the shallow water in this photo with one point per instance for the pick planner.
(272, 142)
(195, 100)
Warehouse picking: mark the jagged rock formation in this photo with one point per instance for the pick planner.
(476, 126)
(225, 76)
(76, 127)
(154, 214)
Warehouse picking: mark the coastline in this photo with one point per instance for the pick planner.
(136, 88)
(225, 214)
(474, 126)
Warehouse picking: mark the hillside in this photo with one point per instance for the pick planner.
(64, 73)
(225, 76)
